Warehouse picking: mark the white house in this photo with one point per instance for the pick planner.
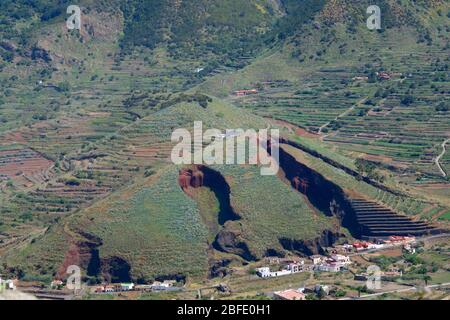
(109, 289)
(341, 259)
(296, 267)
(408, 248)
(329, 267)
(126, 286)
(168, 283)
(265, 272)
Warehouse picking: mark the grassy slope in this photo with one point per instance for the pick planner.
(159, 230)
(280, 213)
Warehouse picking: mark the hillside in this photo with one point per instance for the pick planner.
(86, 119)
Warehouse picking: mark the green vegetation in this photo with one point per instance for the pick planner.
(86, 120)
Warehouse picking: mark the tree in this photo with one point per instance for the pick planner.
(64, 86)
(340, 293)
(368, 169)
(407, 100)
(442, 107)
(321, 294)
(426, 278)
(361, 289)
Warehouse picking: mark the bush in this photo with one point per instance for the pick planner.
(72, 182)
(408, 100)
(442, 107)
(340, 293)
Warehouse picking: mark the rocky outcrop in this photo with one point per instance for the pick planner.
(40, 54)
(218, 268)
(312, 246)
(82, 253)
(324, 195)
(230, 242)
(201, 176)
(191, 178)
(340, 166)
(115, 269)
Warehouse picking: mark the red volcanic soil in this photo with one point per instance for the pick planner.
(72, 257)
(190, 178)
(22, 164)
(13, 137)
(160, 150)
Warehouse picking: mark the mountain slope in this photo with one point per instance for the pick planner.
(86, 119)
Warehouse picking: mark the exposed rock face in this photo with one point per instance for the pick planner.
(335, 164)
(116, 269)
(274, 253)
(191, 177)
(323, 194)
(85, 254)
(310, 247)
(228, 241)
(82, 254)
(201, 176)
(218, 268)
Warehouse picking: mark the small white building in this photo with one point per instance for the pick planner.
(169, 283)
(345, 260)
(296, 267)
(109, 289)
(127, 286)
(265, 272)
(409, 249)
(329, 267)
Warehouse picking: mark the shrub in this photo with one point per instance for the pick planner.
(407, 100)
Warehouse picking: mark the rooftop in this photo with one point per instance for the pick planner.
(290, 294)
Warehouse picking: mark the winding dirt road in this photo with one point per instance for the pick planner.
(438, 158)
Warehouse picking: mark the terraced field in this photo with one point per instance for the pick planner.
(24, 166)
(335, 91)
(377, 222)
(355, 188)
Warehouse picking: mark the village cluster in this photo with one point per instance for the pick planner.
(166, 285)
(338, 260)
